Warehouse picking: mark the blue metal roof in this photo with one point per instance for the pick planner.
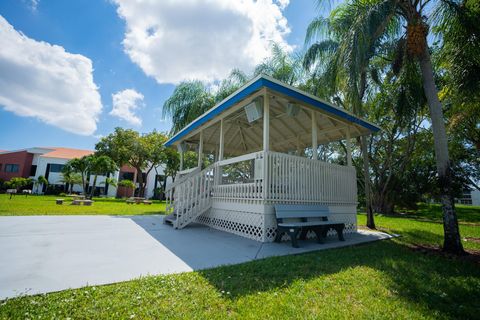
(270, 83)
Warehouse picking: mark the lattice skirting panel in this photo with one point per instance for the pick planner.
(258, 222)
(242, 223)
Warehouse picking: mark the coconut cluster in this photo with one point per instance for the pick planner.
(416, 38)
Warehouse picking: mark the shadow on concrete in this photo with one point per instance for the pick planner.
(198, 246)
(201, 247)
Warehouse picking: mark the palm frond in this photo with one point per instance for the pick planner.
(317, 29)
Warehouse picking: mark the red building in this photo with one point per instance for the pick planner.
(16, 164)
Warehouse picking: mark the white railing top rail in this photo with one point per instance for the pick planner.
(308, 159)
(187, 171)
(241, 158)
(181, 177)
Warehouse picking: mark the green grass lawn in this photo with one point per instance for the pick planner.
(425, 227)
(45, 205)
(372, 281)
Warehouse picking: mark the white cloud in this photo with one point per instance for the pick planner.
(175, 40)
(41, 80)
(124, 105)
(34, 4)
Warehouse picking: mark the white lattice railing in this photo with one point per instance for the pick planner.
(297, 179)
(252, 190)
(246, 191)
(277, 177)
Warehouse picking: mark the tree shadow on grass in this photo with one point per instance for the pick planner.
(433, 213)
(447, 286)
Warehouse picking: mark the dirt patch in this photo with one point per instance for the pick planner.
(471, 254)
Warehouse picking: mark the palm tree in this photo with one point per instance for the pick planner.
(459, 62)
(189, 100)
(282, 66)
(341, 64)
(100, 165)
(70, 179)
(41, 180)
(367, 27)
(109, 181)
(232, 83)
(82, 167)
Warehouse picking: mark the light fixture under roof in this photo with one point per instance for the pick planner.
(254, 110)
(292, 109)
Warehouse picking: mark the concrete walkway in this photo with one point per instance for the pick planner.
(41, 254)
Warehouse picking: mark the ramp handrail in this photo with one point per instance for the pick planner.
(191, 196)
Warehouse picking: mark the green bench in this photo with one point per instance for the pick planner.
(296, 220)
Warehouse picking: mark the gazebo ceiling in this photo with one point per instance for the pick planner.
(287, 132)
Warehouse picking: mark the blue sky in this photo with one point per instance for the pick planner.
(66, 59)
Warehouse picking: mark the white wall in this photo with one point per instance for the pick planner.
(56, 177)
(475, 197)
(150, 185)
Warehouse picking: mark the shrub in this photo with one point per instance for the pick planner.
(18, 183)
(127, 183)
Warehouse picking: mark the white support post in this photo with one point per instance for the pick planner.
(266, 145)
(266, 123)
(299, 148)
(180, 150)
(221, 150)
(314, 137)
(349, 148)
(200, 150)
(218, 172)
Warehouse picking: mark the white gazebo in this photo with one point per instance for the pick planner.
(263, 140)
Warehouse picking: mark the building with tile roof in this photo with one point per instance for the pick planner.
(49, 162)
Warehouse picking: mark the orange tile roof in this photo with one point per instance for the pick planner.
(66, 153)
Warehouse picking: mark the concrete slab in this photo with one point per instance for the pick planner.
(40, 254)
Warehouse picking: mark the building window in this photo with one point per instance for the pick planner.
(54, 167)
(13, 168)
(126, 176)
(33, 170)
(0, 167)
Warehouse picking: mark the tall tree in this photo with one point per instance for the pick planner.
(341, 60)
(81, 166)
(370, 24)
(458, 60)
(70, 180)
(100, 165)
(282, 65)
(142, 152)
(109, 182)
(189, 100)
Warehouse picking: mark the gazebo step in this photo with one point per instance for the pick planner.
(170, 219)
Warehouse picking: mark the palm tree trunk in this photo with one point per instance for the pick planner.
(84, 184)
(93, 186)
(452, 242)
(366, 177)
(141, 188)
